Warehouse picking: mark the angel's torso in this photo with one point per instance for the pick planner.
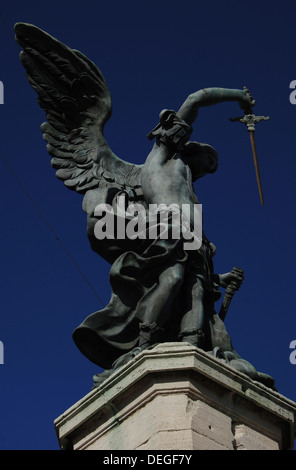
(167, 180)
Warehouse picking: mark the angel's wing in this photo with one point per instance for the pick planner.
(73, 93)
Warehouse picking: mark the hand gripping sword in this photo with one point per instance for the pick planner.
(250, 120)
(229, 293)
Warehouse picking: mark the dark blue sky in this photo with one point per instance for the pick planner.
(152, 54)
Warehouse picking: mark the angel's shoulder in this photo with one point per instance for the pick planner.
(91, 199)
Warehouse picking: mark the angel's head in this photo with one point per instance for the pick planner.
(201, 159)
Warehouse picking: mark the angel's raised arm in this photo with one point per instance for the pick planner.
(210, 96)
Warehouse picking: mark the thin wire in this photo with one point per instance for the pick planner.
(49, 226)
(7, 26)
(34, 203)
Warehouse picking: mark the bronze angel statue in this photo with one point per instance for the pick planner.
(161, 291)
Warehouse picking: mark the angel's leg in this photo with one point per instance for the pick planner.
(193, 322)
(158, 304)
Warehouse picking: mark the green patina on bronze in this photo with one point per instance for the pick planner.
(161, 292)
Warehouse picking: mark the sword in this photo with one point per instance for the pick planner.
(250, 120)
(229, 293)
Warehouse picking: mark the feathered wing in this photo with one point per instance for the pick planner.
(73, 93)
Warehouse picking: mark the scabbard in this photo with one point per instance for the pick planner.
(229, 293)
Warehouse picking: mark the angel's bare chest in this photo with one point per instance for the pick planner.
(162, 181)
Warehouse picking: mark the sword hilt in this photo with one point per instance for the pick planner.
(250, 120)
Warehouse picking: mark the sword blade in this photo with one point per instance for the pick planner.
(253, 144)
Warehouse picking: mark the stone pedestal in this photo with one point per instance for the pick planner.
(178, 397)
